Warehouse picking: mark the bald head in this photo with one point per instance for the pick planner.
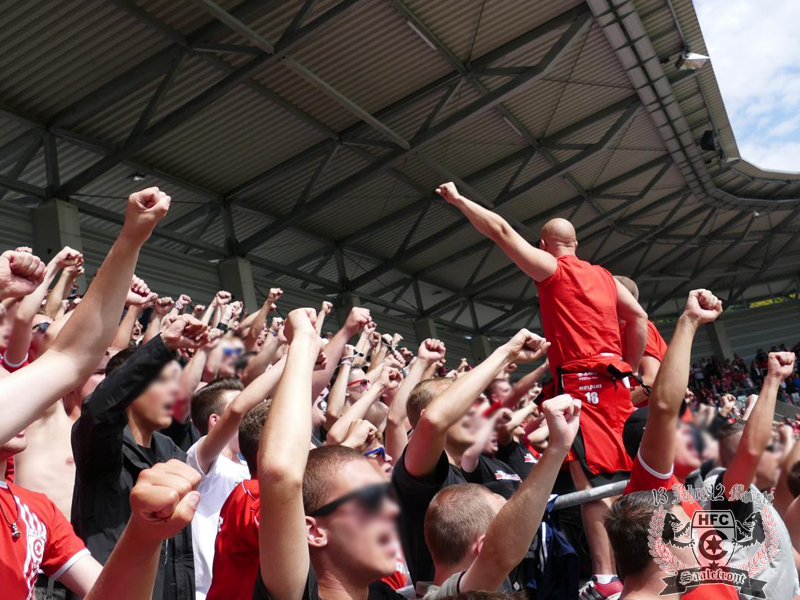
(558, 237)
(629, 285)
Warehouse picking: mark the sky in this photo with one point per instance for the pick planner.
(755, 49)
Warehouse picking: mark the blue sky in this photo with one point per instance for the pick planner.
(755, 49)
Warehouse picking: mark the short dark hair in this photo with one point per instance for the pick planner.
(250, 434)
(323, 463)
(628, 524)
(120, 357)
(210, 400)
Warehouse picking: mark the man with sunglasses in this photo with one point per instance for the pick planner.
(443, 415)
(327, 526)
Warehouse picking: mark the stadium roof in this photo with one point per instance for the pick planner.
(308, 135)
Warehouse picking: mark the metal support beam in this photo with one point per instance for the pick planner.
(579, 19)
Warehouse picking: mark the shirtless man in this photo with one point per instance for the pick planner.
(654, 351)
(581, 306)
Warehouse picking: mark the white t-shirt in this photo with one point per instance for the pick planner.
(215, 487)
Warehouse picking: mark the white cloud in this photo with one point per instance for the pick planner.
(755, 49)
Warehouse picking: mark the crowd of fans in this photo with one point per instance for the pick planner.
(153, 447)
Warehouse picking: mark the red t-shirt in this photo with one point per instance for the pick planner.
(12, 368)
(578, 308)
(236, 549)
(48, 541)
(643, 478)
(655, 347)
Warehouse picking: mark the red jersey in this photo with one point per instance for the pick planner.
(236, 549)
(47, 541)
(643, 478)
(578, 308)
(655, 347)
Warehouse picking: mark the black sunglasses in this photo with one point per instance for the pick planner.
(42, 327)
(370, 498)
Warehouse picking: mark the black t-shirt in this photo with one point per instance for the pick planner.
(413, 496)
(183, 434)
(377, 591)
(518, 457)
(496, 475)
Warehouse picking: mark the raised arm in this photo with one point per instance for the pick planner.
(657, 449)
(336, 397)
(259, 363)
(356, 321)
(257, 321)
(323, 314)
(534, 262)
(758, 428)
(389, 380)
(20, 274)
(21, 334)
(509, 536)
(161, 308)
(396, 435)
(630, 311)
(80, 346)
(524, 385)
(223, 432)
(163, 502)
(426, 445)
(282, 457)
(61, 289)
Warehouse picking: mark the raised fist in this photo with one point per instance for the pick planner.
(780, 364)
(182, 302)
(431, 350)
(274, 294)
(301, 320)
(221, 298)
(164, 305)
(145, 209)
(448, 191)
(370, 327)
(26, 249)
(198, 310)
(67, 257)
(20, 274)
(322, 360)
(407, 354)
(562, 414)
(360, 435)
(503, 416)
(702, 306)
(326, 307)
(526, 347)
(276, 324)
(185, 332)
(236, 309)
(213, 338)
(139, 294)
(164, 499)
(390, 379)
(357, 320)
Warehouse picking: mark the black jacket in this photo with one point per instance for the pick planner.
(109, 461)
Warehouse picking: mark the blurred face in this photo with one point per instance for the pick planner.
(380, 459)
(319, 409)
(352, 539)
(500, 391)
(154, 407)
(357, 384)
(768, 469)
(38, 334)
(462, 434)
(230, 349)
(687, 459)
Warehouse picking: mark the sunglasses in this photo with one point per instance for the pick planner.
(233, 351)
(379, 451)
(371, 498)
(362, 382)
(42, 327)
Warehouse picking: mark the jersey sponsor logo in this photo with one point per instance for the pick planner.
(529, 458)
(503, 476)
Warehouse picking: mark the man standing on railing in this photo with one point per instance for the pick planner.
(581, 308)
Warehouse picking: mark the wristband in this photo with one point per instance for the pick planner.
(345, 361)
(223, 327)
